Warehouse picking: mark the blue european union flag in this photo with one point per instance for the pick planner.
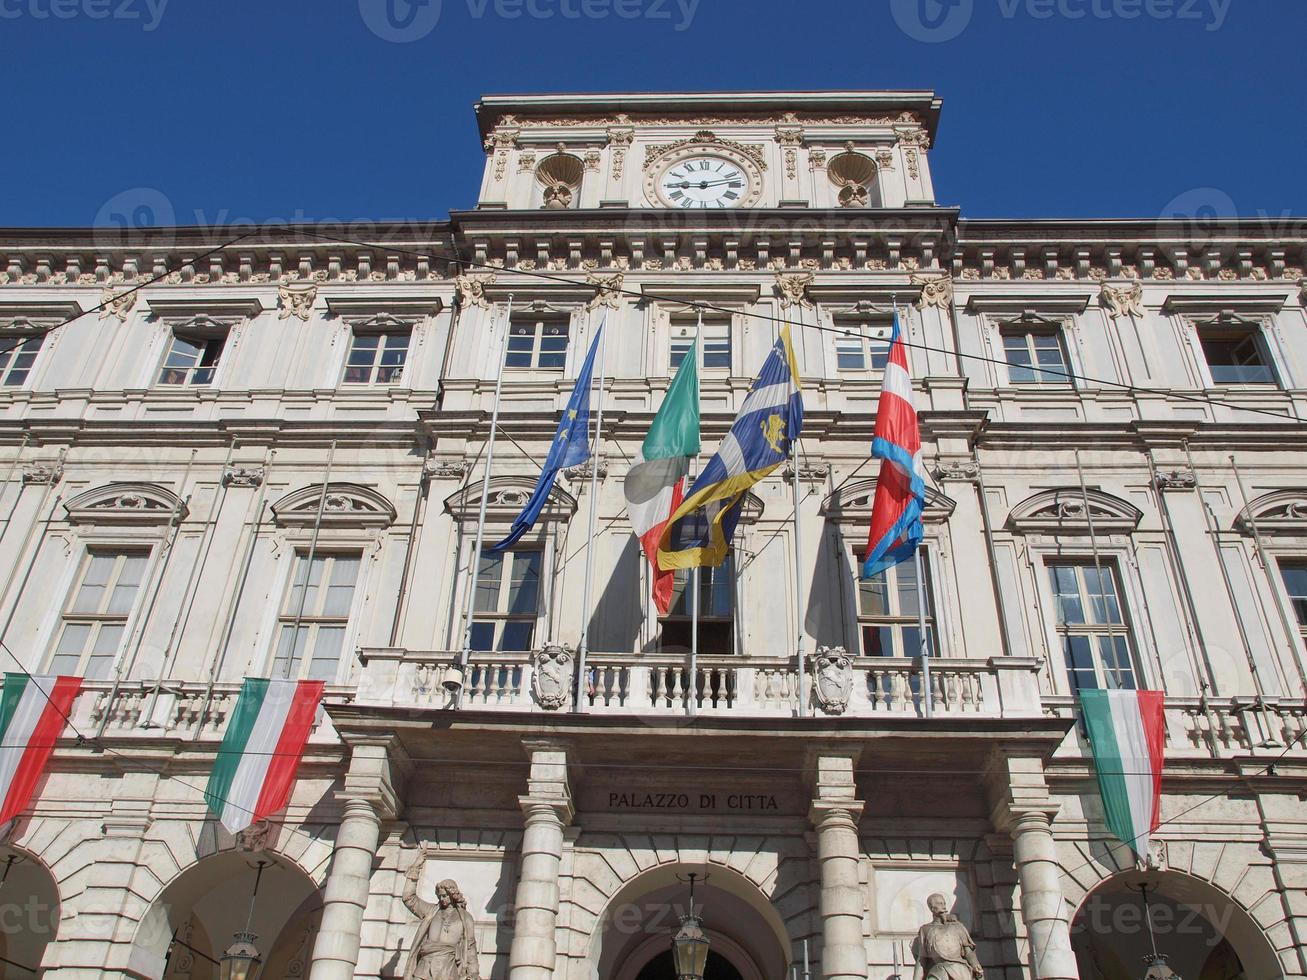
(571, 447)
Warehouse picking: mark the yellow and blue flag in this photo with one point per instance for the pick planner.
(700, 530)
(571, 447)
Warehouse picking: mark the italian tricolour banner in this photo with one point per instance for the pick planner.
(655, 484)
(33, 713)
(1126, 735)
(261, 751)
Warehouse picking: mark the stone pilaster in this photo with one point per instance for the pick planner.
(835, 814)
(378, 766)
(1024, 810)
(547, 807)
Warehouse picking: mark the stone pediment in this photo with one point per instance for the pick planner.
(1279, 512)
(852, 504)
(136, 504)
(1063, 510)
(346, 505)
(506, 498)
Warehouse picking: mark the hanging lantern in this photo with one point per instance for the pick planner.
(241, 961)
(690, 945)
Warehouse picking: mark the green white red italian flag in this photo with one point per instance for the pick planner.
(33, 713)
(261, 751)
(1126, 734)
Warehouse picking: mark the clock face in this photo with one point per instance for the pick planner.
(703, 181)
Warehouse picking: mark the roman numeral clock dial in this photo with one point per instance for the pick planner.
(705, 183)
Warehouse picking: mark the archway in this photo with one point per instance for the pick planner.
(1204, 933)
(29, 912)
(632, 940)
(194, 919)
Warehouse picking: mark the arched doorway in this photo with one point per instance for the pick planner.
(633, 937)
(194, 919)
(29, 912)
(1203, 932)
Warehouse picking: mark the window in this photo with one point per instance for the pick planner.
(1236, 356)
(1034, 355)
(17, 354)
(1294, 574)
(191, 360)
(716, 342)
(507, 602)
(1091, 625)
(376, 358)
(319, 600)
(716, 610)
(887, 611)
(91, 632)
(537, 342)
(864, 345)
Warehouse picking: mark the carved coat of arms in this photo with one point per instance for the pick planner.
(832, 679)
(551, 676)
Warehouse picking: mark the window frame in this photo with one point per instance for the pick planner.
(282, 617)
(383, 334)
(205, 337)
(682, 591)
(1126, 628)
(1029, 326)
(717, 330)
(1283, 562)
(540, 320)
(501, 618)
(7, 359)
(843, 321)
(1228, 328)
(64, 614)
(898, 622)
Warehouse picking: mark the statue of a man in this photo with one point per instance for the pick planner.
(444, 946)
(943, 948)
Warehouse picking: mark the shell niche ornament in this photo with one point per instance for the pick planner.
(853, 173)
(560, 174)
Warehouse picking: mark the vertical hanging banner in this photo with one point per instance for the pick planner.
(1127, 734)
(33, 714)
(260, 754)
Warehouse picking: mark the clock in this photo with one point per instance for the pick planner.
(703, 182)
(704, 178)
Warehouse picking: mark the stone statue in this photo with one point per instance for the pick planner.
(444, 946)
(943, 948)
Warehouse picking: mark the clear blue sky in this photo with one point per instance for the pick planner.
(301, 109)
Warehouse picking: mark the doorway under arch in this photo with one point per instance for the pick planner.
(194, 919)
(1204, 933)
(29, 912)
(747, 937)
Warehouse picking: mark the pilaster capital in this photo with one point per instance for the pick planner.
(835, 816)
(1019, 796)
(549, 792)
(556, 811)
(831, 774)
(379, 767)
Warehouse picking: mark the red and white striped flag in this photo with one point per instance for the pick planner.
(33, 713)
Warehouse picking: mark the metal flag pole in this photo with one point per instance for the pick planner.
(583, 648)
(474, 560)
(798, 566)
(692, 694)
(927, 695)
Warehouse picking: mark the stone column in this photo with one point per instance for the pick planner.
(1025, 810)
(835, 814)
(547, 806)
(368, 796)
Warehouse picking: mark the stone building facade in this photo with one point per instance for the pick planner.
(194, 423)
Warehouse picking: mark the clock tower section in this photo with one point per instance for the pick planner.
(708, 152)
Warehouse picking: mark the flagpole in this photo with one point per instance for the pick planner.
(583, 647)
(798, 565)
(691, 705)
(474, 560)
(924, 646)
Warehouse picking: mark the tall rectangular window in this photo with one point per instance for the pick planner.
(94, 622)
(537, 341)
(887, 610)
(315, 616)
(17, 354)
(191, 360)
(1091, 625)
(1294, 573)
(507, 603)
(716, 342)
(864, 343)
(376, 358)
(1236, 355)
(716, 610)
(1035, 356)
